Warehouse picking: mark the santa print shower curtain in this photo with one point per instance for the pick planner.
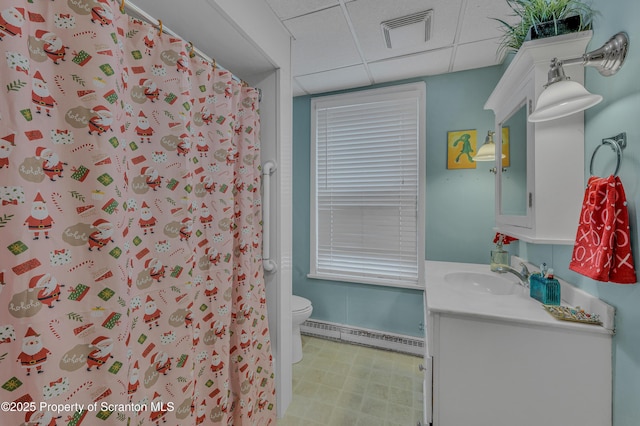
(130, 227)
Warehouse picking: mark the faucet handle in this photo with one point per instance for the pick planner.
(525, 270)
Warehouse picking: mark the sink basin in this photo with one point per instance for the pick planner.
(483, 283)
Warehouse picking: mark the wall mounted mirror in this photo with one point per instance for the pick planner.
(513, 181)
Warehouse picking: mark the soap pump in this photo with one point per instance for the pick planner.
(500, 256)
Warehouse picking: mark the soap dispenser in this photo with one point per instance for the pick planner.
(500, 256)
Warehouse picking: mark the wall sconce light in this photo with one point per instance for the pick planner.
(562, 97)
(487, 151)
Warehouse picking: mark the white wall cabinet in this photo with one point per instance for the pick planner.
(538, 199)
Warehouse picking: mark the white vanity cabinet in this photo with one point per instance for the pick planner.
(540, 191)
(497, 373)
(504, 361)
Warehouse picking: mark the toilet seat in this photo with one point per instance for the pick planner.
(299, 304)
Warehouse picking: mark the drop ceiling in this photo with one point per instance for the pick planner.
(340, 44)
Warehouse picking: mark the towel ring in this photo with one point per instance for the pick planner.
(617, 143)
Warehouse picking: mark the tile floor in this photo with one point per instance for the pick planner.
(338, 384)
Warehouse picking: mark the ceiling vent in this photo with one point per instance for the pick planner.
(407, 30)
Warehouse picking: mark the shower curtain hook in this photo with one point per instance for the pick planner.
(190, 48)
(160, 26)
(122, 4)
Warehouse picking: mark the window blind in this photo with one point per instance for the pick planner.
(367, 189)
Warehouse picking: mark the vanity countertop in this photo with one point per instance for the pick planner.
(518, 307)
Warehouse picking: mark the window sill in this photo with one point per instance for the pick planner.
(368, 281)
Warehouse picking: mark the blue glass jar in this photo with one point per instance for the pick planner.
(544, 289)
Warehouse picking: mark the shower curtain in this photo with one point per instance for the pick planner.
(132, 290)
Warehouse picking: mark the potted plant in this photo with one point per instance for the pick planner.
(544, 18)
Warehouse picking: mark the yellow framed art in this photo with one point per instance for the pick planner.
(461, 147)
(505, 147)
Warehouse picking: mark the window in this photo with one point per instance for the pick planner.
(367, 186)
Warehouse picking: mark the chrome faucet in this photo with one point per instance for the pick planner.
(523, 275)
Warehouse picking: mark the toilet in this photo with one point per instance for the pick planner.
(301, 311)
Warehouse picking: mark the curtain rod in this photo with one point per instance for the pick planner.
(125, 4)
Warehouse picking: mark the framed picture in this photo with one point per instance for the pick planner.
(461, 147)
(505, 146)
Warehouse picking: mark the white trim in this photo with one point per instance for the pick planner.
(371, 281)
(365, 96)
(363, 336)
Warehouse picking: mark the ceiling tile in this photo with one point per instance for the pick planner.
(338, 79)
(478, 21)
(286, 9)
(322, 41)
(325, 56)
(367, 15)
(418, 65)
(476, 55)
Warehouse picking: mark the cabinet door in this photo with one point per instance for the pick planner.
(502, 373)
(427, 391)
(427, 368)
(514, 191)
(555, 149)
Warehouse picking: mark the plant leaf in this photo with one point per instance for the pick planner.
(16, 85)
(532, 13)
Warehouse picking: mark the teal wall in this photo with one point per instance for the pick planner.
(459, 207)
(620, 111)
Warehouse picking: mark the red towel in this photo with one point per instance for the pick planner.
(603, 243)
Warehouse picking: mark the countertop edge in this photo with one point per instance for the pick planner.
(442, 300)
(568, 325)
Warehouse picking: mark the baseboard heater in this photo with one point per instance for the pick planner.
(372, 338)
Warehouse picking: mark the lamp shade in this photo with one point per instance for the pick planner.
(561, 99)
(487, 152)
